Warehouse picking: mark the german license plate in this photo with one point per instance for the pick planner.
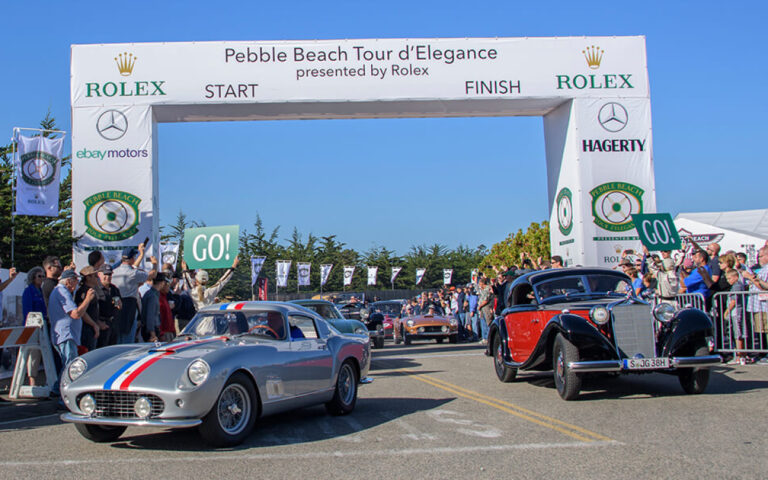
(645, 363)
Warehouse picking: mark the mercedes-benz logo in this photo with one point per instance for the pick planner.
(112, 125)
(613, 117)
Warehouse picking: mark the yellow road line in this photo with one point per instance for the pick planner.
(512, 409)
(525, 410)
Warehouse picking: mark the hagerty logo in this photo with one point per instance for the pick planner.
(565, 211)
(112, 215)
(614, 203)
(125, 65)
(38, 168)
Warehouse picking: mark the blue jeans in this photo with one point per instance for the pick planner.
(460, 318)
(67, 351)
(129, 337)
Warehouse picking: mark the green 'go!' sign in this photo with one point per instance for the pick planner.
(211, 247)
(657, 231)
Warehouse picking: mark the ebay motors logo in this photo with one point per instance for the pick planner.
(112, 153)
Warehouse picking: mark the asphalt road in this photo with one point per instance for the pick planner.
(437, 411)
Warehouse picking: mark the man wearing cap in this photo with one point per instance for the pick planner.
(66, 316)
(109, 307)
(91, 328)
(127, 278)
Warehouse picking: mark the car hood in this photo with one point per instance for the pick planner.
(151, 366)
(427, 320)
(345, 325)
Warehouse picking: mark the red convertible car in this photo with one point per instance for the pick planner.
(575, 321)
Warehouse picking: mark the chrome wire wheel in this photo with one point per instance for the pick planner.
(234, 409)
(560, 370)
(347, 384)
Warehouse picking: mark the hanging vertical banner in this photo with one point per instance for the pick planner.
(283, 267)
(420, 274)
(348, 272)
(325, 272)
(475, 273)
(169, 253)
(303, 273)
(447, 274)
(372, 271)
(37, 176)
(256, 264)
(263, 288)
(395, 271)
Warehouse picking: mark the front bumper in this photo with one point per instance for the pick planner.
(127, 422)
(618, 365)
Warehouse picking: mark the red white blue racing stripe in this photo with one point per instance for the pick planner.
(122, 379)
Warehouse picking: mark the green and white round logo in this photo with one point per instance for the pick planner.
(112, 215)
(38, 168)
(565, 211)
(613, 204)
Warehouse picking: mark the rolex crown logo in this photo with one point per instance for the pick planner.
(125, 62)
(594, 56)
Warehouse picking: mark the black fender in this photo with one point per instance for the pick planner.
(498, 328)
(690, 327)
(374, 320)
(592, 344)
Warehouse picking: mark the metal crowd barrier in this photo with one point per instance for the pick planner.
(741, 322)
(691, 300)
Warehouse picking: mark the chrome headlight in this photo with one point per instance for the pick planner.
(421, 330)
(77, 368)
(444, 328)
(361, 331)
(599, 315)
(409, 323)
(142, 407)
(87, 404)
(198, 371)
(453, 322)
(664, 312)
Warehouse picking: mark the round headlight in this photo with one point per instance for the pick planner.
(142, 407)
(198, 371)
(664, 312)
(77, 368)
(361, 330)
(409, 323)
(444, 328)
(599, 315)
(87, 404)
(453, 321)
(421, 329)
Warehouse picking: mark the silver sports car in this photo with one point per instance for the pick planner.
(233, 363)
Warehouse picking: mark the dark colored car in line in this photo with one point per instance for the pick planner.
(577, 321)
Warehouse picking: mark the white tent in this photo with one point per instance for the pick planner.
(741, 230)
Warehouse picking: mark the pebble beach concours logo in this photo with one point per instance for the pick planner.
(565, 211)
(614, 203)
(112, 215)
(38, 168)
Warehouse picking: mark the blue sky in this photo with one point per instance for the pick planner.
(450, 181)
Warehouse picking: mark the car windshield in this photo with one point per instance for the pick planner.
(328, 312)
(582, 286)
(265, 324)
(388, 308)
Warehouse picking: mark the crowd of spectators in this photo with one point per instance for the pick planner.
(101, 304)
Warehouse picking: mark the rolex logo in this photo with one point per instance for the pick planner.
(125, 62)
(594, 56)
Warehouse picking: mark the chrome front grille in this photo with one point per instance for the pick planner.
(433, 329)
(119, 404)
(633, 329)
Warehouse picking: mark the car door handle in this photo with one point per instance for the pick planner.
(535, 320)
